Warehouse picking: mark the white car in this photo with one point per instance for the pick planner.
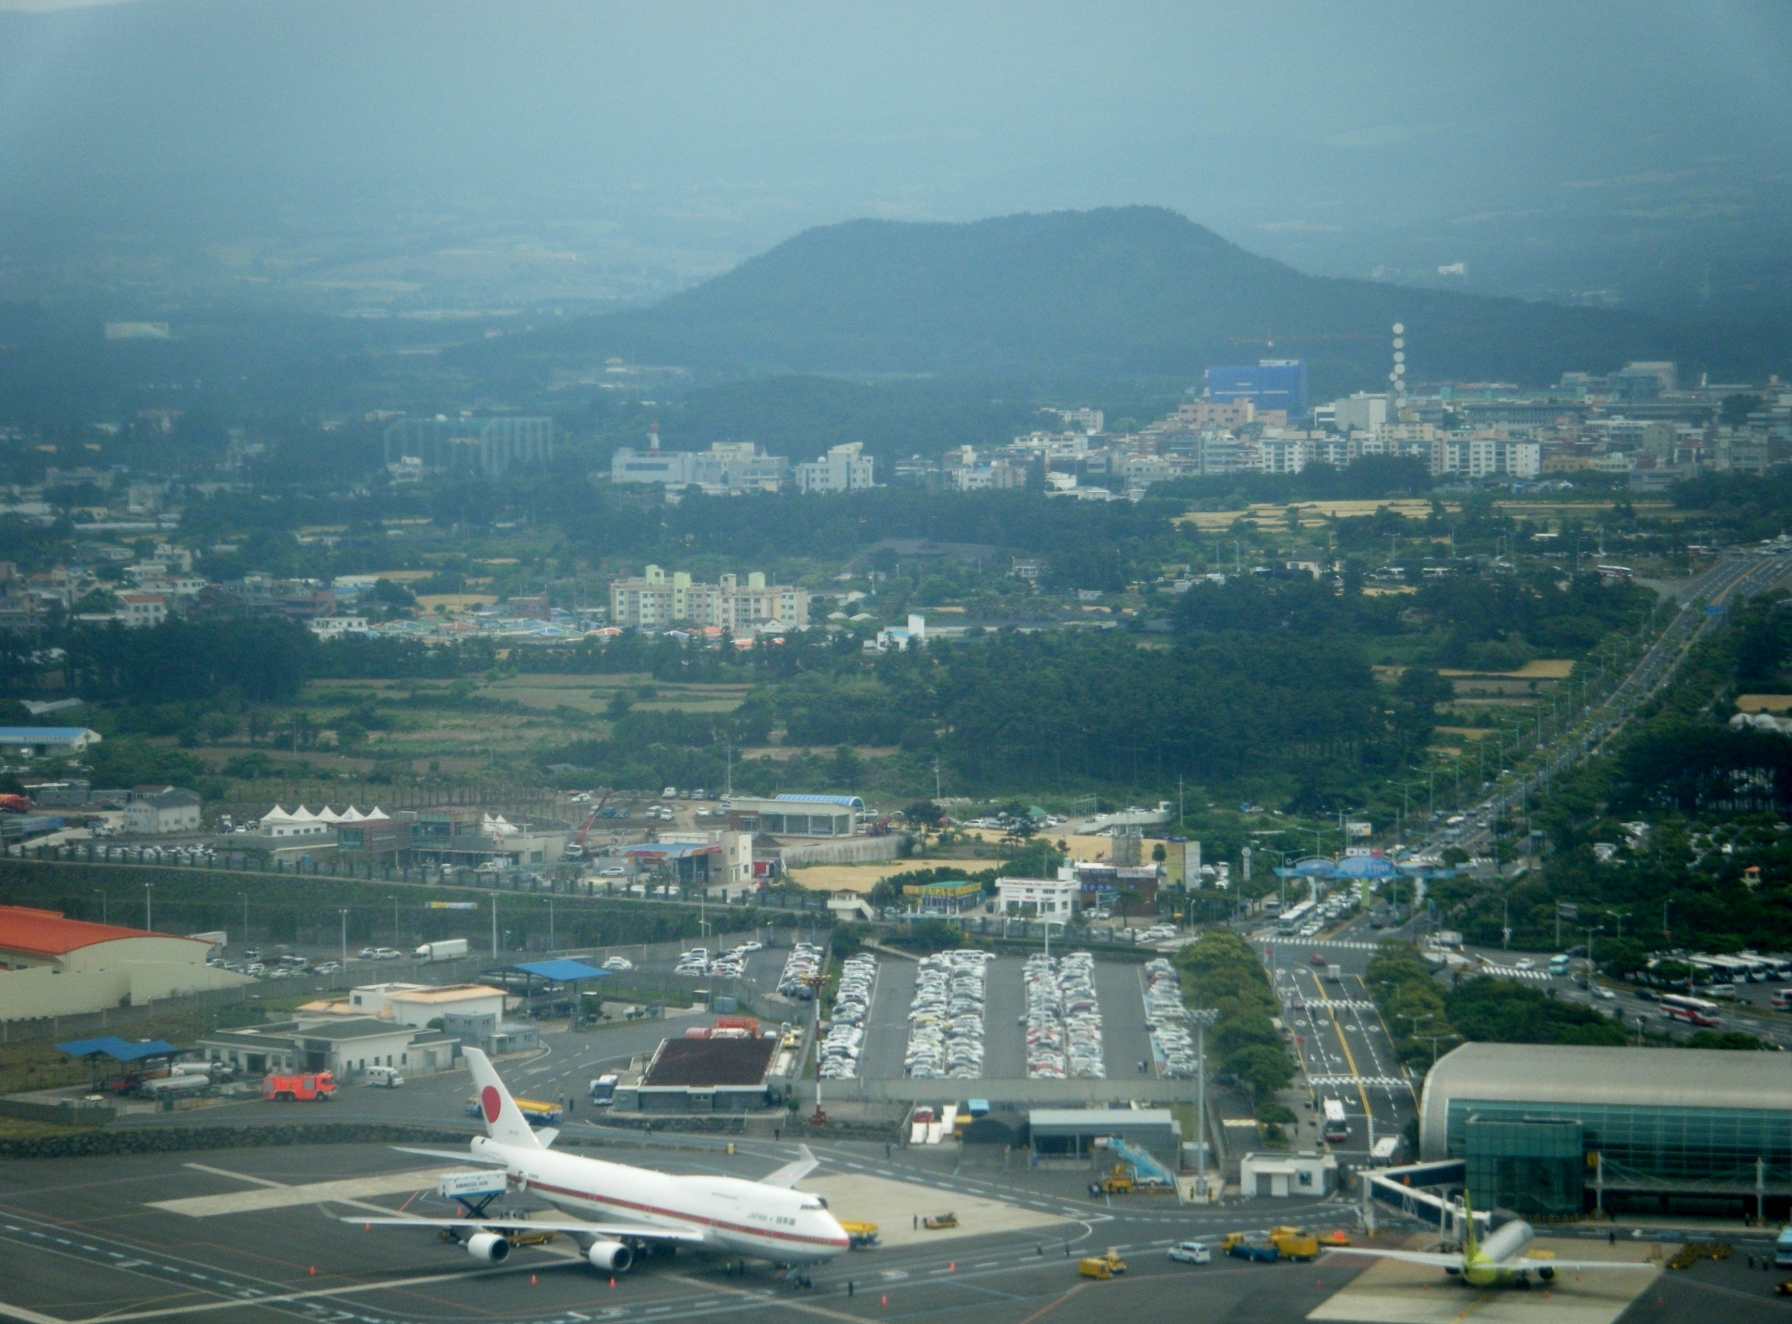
(387, 954)
(619, 963)
(1192, 1252)
(1524, 963)
(612, 871)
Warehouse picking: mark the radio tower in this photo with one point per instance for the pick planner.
(1398, 376)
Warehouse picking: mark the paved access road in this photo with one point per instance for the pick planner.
(1343, 1046)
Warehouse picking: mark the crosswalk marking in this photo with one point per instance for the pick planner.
(1341, 944)
(1384, 1082)
(1510, 972)
(1347, 1003)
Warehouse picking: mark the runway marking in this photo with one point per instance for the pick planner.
(766, 1298)
(273, 1195)
(1053, 1305)
(281, 1298)
(10, 1311)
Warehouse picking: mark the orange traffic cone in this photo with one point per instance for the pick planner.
(314, 1270)
(952, 1267)
(884, 1300)
(612, 1280)
(531, 1280)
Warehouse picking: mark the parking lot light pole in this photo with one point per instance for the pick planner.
(1202, 1018)
(149, 919)
(344, 914)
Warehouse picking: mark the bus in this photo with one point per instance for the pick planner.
(1694, 1011)
(1782, 1249)
(1558, 964)
(1337, 1126)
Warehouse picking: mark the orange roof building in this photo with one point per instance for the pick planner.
(51, 965)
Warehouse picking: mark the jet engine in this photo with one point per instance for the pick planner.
(610, 1256)
(488, 1246)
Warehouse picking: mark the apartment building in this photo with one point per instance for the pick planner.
(658, 600)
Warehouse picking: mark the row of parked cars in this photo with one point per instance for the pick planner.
(852, 1004)
(945, 1035)
(801, 967)
(731, 964)
(1063, 1018)
(1166, 1020)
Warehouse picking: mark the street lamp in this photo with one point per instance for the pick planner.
(1201, 1018)
(148, 908)
(344, 914)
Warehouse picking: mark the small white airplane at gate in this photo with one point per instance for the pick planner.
(620, 1209)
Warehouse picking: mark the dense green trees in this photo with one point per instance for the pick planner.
(1220, 971)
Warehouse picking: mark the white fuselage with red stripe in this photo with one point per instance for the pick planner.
(733, 1215)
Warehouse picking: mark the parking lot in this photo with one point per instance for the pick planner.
(1123, 1042)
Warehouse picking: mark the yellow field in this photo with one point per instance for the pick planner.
(455, 601)
(1312, 514)
(1543, 668)
(1764, 703)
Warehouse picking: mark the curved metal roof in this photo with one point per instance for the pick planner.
(1545, 1074)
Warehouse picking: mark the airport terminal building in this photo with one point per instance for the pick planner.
(1545, 1129)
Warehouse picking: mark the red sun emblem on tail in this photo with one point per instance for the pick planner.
(490, 1102)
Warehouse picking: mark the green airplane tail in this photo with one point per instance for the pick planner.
(1469, 1248)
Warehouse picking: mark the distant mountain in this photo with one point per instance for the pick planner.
(1118, 292)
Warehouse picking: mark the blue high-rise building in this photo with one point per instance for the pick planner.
(1267, 384)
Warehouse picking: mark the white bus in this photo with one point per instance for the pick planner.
(1694, 1011)
(1337, 1125)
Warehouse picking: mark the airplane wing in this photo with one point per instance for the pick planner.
(459, 1156)
(1435, 1259)
(1577, 1265)
(793, 1172)
(684, 1236)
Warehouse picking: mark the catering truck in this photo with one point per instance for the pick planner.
(448, 949)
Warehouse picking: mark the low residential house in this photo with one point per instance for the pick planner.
(419, 1006)
(160, 810)
(138, 611)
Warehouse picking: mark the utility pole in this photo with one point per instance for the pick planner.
(550, 924)
(149, 921)
(1202, 1018)
(344, 914)
(494, 925)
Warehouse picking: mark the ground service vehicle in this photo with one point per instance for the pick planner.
(448, 949)
(1383, 1152)
(939, 1222)
(1337, 1125)
(1781, 999)
(603, 1090)
(1694, 1011)
(384, 1077)
(168, 1087)
(1293, 1243)
(1192, 1252)
(536, 1112)
(1117, 1182)
(310, 1086)
(863, 1236)
(1105, 1265)
(1239, 1247)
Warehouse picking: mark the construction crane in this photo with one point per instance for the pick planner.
(576, 851)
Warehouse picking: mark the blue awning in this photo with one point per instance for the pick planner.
(119, 1050)
(563, 970)
(1366, 866)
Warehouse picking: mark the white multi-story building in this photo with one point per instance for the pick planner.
(1043, 898)
(1486, 457)
(844, 468)
(138, 610)
(726, 468)
(656, 599)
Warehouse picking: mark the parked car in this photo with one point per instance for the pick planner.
(619, 963)
(1192, 1252)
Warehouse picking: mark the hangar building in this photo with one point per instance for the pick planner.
(1545, 1129)
(51, 965)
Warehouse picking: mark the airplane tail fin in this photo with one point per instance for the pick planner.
(1469, 1248)
(504, 1121)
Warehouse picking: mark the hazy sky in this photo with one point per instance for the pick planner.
(1342, 135)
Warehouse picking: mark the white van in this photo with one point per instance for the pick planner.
(387, 1077)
